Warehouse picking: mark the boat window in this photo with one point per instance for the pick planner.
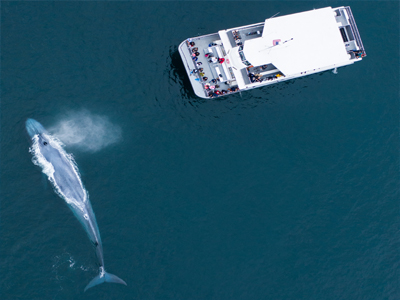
(344, 36)
(349, 33)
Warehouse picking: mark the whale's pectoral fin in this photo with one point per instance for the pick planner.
(107, 277)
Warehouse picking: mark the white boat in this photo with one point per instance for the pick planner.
(276, 50)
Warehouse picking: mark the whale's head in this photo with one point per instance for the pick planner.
(40, 139)
(34, 127)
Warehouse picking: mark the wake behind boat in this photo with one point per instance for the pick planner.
(276, 50)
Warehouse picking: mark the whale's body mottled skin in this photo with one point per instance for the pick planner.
(63, 173)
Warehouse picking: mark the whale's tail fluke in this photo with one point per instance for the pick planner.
(104, 277)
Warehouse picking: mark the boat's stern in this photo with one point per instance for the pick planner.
(349, 32)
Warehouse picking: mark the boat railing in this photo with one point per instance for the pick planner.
(230, 71)
(355, 30)
(182, 47)
(248, 26)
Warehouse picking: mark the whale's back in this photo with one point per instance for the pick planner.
(60, 168)
(67, 179)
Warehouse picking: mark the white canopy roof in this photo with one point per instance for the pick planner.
(308, 40)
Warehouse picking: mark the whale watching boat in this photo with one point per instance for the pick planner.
(276, 50)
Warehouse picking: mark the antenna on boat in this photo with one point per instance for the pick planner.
(277, 44)
(288, 41)
(273, 16)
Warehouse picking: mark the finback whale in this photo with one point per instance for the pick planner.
(63, 173)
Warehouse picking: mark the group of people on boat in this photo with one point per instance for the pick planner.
(211, 86)
(195, 52)
(358, 53)
(236, 34)
(195, 71)
(258, 77)
(255, 77)
(237, 37)
(216, 93)
(213, 59)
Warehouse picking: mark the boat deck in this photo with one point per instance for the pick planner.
(203, 68)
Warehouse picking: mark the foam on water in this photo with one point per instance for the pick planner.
(65, 261)
(86, 131)
(48, 169)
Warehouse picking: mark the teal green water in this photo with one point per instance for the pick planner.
(285, 192)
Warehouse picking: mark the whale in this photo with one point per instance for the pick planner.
(62, 171)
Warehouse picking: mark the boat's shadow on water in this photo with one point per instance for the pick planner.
(177, 74)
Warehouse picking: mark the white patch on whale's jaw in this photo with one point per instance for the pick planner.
(39, 160)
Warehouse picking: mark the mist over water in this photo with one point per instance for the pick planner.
(86, 131)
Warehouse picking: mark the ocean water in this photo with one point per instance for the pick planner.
(284, 192)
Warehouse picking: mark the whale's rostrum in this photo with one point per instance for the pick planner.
(63, 173)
